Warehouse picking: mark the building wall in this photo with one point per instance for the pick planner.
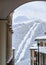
(3, 42)
(34, 59)
(9, 51)
(0, 44)
(42, 59)
(9, 45)
(45, 59)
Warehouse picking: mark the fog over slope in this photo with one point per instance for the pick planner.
(23, 38)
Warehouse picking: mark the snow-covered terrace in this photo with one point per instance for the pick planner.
(41, 49)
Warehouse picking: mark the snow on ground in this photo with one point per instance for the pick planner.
(24, 62)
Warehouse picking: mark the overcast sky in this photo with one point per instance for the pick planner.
(30, 11)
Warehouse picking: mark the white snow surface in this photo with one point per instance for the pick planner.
(23, 38)
(41, 37)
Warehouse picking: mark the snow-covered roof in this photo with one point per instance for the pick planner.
(42, 49)
(34, 47)
(40, 38)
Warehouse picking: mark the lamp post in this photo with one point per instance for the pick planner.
(38, 53)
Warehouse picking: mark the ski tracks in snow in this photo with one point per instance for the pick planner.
(28, 41)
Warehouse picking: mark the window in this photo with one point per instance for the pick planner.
(36, 60)
(41, 43)
(45, 43)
